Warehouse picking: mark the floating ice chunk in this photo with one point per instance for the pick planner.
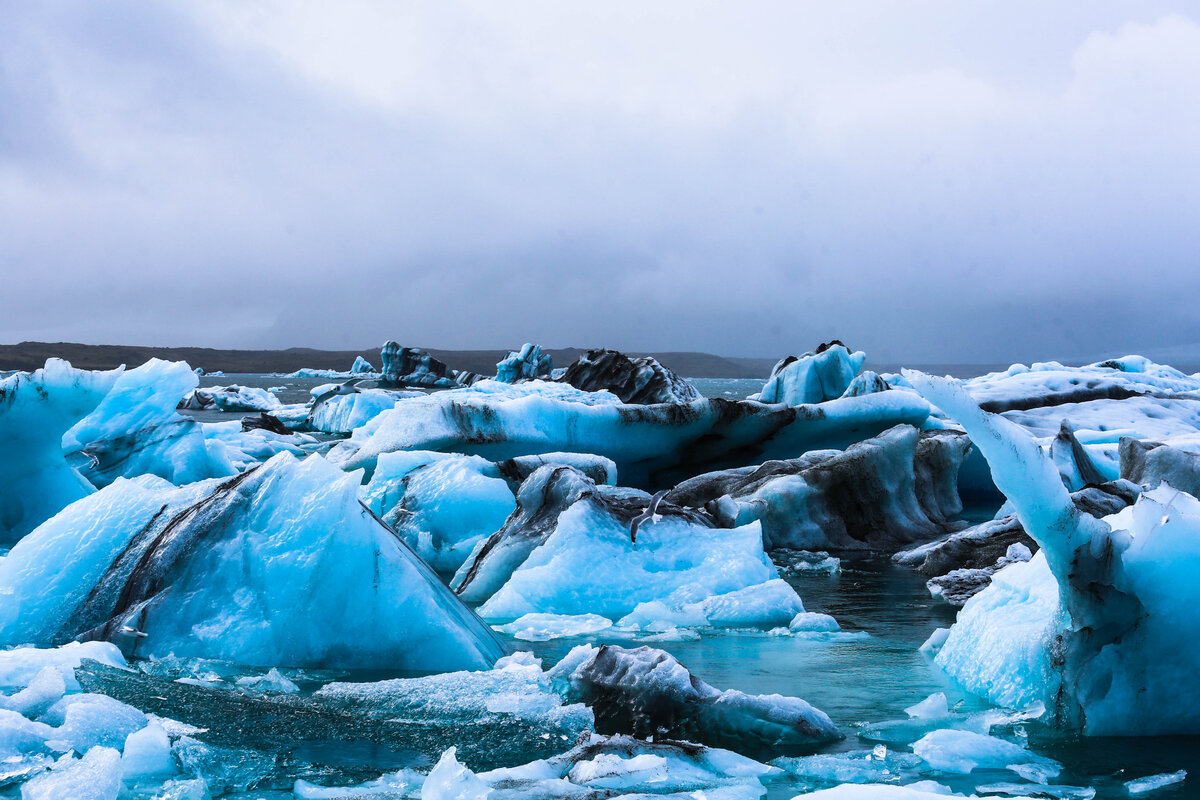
(279, 565)
(233, 398)
(147, 753)
(888, 491)
(1153, 783)
(411, 366)
(342, 413)
(193, 789)
(635, 380)
(1039, 790)
(795, 562)
(86, 720)
(605, 765)
(19, 735)
(813, 377)
(960, 752)
(361, 366)
(812, 622)
(543, 627)
(1111, 598)
(442, 504)
(20, 667)
(860, 766)
(36, 409)
(403, 783)
(585, 563)
(516, 690)
(46, 689)
(644, 772)
(97, 776)
(273, 681)
(450, 780)
(243, 448)
(935, 641)
(310, 372)
(136, 430)
(763, 606)
(933, 707)
(528, 363)
(672, 635)
(647, 692)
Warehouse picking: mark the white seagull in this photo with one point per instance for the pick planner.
(650, 514)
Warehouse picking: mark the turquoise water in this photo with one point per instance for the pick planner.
(875, 678)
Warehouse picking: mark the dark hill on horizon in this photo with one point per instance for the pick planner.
(32, 355)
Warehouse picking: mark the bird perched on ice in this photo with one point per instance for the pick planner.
(344, 388)
(650, 514)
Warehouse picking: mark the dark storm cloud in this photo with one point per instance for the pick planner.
(927, 181)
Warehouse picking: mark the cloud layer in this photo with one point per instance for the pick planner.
(927, 181)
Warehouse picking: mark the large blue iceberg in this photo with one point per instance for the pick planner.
(1100, 625)
(652, 445)
(280, 565)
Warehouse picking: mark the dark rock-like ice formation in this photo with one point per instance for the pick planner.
(1152, 463)
(638, 381)
(648, 693)
(411, 366)
(889, 491)
(961, 564)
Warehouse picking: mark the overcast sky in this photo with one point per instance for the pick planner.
(927, 181)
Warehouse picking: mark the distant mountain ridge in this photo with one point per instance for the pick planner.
(32, 355)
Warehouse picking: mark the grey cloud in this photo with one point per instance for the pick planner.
(221, 176)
